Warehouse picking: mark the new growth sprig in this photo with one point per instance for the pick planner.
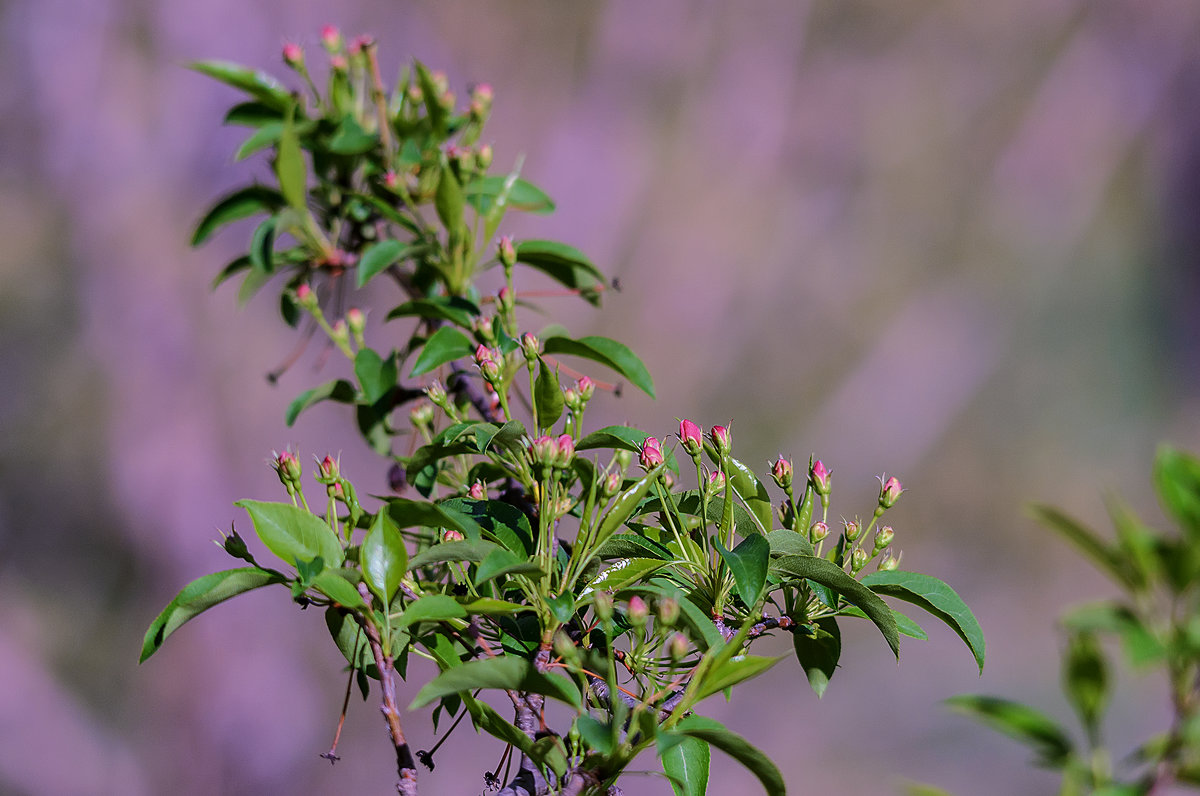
(523, 551)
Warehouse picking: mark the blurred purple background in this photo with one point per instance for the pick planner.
(955, 242)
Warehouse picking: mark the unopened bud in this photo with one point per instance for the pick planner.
(781, 471)
(564, 451)
(820, 478)
(331, 38)
(339, 333)
(889, 492)
(668, 611)
(610, 485)
(888, 563)
(306, 297)
(721, 439)
(481, 101)
(483, 159)
(638, 611)
(415, 95)
(477, 491)
(677, 647)
(564, 647)
(858, 559)
(484, 328)
(883, 537)
(288, 467)
(691, 437)
(329, 469)
(851, 530)
(716, 481)
(586, 388)
(338, 63)
(421, 415)
(437, 393)
(651, 455)
(356, 320)
(506, 252)
(668, 480)
(505, 300)
(818, 531)
(391, 179)
(602, 604)
(542, 451)
(452, 535)
(572, 400)
(293, 56)
(530, 346)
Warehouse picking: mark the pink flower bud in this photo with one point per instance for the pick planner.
(531, 346)
(477, 492)
(691, 437)
(564, 450)
(391, 179)
(356, 320)
(716, 481)
(289, 470)
(360, 43)
(820, 478)
(677, 646)
(572, 400)
(329, 469)
(651, 455)
(490, 370)
(482, 354)
(331, 38)
(543, 450)
(338, 63)
(506, 251)
(721, 440)
(452, 535)
(818, 531)
(339, 333)
(889, 491)
(883, 537)
(306, 297)
(421, 415)
(505, 300)
(851, 530)
(586, 388)
(485, 330)
(484, 157)
(668, 611)
(292, 54)
(781, 471)
(610, 485)
(638, 611)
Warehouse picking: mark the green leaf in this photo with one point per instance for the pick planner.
(263, 137)
(333, 584)
(748, 562)
(473, 550)
(448, 201)
(621, 574)
(1085, 540)
(383, 557)
(926, 591)
(351, 139)
(433, 107)
(818, 654)
(502, 563)
(828, 574)
(789, 543)
(1086, 681)
(596, 735)
(522, 195)
(607, 352)
(376, 374)
(622, 438)
(1019, 722)
(547, 396)
(632, 545)
(625, 505)
(293, 533)
(421, 513)
(253, 114)
(752, 492)
(290, 169)
(259, 85)
(432, 608)
(507, 672)
(713, 732)
(499, 521)
(485, 718)
(378, 257)
(445, 345)
(562, 263)
(243, 203)
(489, 606)
(685, 763)
(455, 309)
(905, 625)
(736, 670)
(262, 246)
(200, 595)
(1141, 646)
(1177, 481)
(348, 636)
(338, 390)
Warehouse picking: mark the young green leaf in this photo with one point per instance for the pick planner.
(748, 562)
(290, 169)
(265, 136)
(622, 438)
(376, 374)
(818, 653)
(293, 533)
(506, 672)
(445, 345)
(685, 761)
(485, 718)
(523, 195)
(713, 732)
(338, 390)
(731, 672)
(597, 736)
(624, 506)
(1086, 681)
(335, 584)
(1085, 540)
(432, 608)
(383, 557)
(789, 543)
(379, 256)
(607, 352)
(834, 577)
(1141, 646)
(622, 574)
(502, 563)
(243, 203)
(457, 310)
(565, 264)
(935, 597)
(1021, 723)
(259, 85)
(448, 201)
(547, 396)
(200, 595)
(753, 493)
(1177, 480)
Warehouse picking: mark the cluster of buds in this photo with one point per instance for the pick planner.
(548, 453)
(576, 398)
(490, 362)
(329, 473)
(691, 437)
(651, 455)
(287, 466)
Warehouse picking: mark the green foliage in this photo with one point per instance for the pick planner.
(529, 555)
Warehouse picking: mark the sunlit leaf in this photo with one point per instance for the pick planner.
(293, 533)
(935, 597)
(507, 672)
(383, 557)
(607, 352)
(445, 345)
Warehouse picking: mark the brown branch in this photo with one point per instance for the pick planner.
(406, 766)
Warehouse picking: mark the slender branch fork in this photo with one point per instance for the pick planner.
(406, 766)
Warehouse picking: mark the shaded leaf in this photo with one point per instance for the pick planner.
(455, 309)
(547, 396)
(607, 352)
(522, 195)
(748, 562)
(502, 563)
(445, 345)
(1084, 539)
(290, 169)
(713, 732)
(1019, 722)
(376, 374)
(431, 608)
(685, 762)
(378, 256)
(1086, 681)
(243, 203)
(828, 574)
(565, 264)
(818, 654)
(338, 390)
(334, 585)
(507, 672)
(789, 543)
(1177, 481)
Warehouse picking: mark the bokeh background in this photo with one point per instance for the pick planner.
(954, 241)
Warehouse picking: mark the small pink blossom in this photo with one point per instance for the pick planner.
(477, 491)
(820, 477)
(781, 471)
(651, 455)
(691, 437)
(889, 492)
(331, 37)
(292, 54)
(721, 439)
